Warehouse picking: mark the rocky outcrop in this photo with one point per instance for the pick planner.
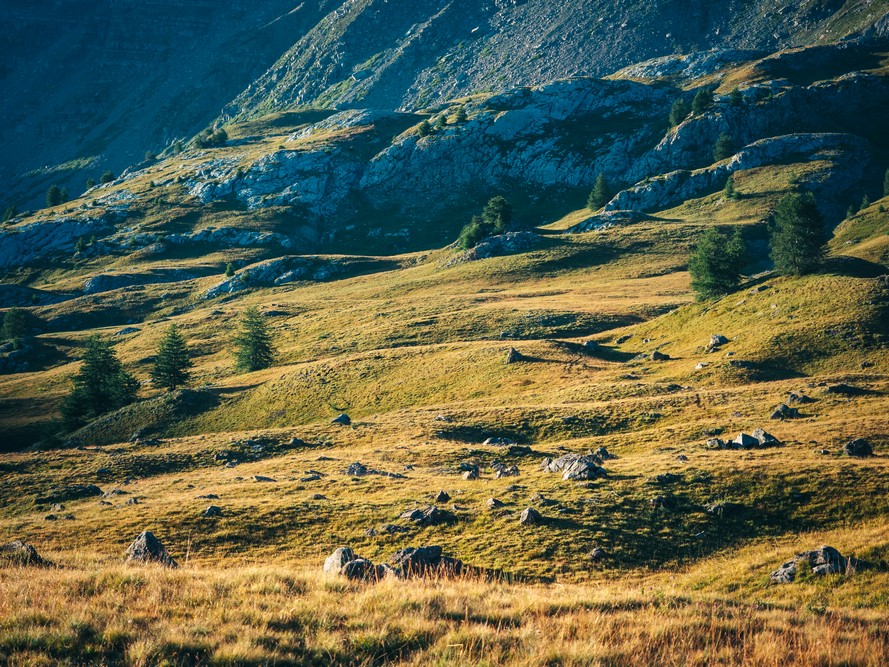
(21, 554)
(146, 548)
(277, 271)
(822, 561)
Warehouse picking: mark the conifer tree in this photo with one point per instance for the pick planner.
(600, 195)
(886, 184)
(106, 177)
(724, 147)
(735, 98)
(172, 363)
(425, 129)
(729, 192)
(702, 101)
(461, 115)
(101, 385)
(54, 196)
(715, 264)
(253, 343)
(678, 112)
(498, 214)
(797, 238)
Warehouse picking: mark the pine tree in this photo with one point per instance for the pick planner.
(106, 177)
(702, 101)
(172, 363)
(254, 350)
(797, 238)
(461, 118)
(101, 385)
(724, 147)
(441, 122)
(678, 112)
(886, 184)
(425, 129)
(735, 98)
(715, 264)
(600, 195)
(90, 183)
(729, 192)
(54, 196)
(865, 202)
(229, 270)
(15, 327)
(10, 212)
(498, 214)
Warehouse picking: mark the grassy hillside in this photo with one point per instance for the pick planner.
(414, 349)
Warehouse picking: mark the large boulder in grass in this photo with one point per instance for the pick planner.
(822, 561)
(859, 447)
(22, 554)
(146, 548)
(335, 561)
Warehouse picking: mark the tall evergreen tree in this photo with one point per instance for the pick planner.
(600, 195)
(461, 114)
(702, 101)
(498, 214)
(425, 129)
(735, 97)
(729, 191)
(724, 147)
(54, 196)
(101, 385)
(106, 177)
(678, 112)
(797, 238)
(886, 184)
(253, 344)
(715, 264)
(172, 363)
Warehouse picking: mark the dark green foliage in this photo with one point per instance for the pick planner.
(101, 385)
(461, 117)
(851, 211)
(425, 129)
(472, 233)
(729, 192)
(715, 263)
(15, 326)
(80, 245)
(229, 270)
(54, 196)
(211, 138)
(176, 148)
(735, 98)
(724, 147)
(797, 238)
(172, 363)
(253, 343)
(678, 112)
(600, 195)
(10, 212)
(702, 101)
(106, 177)
(441, 122)
(886, 184)
(90, 183)
(865, 202)
(496, 218)
(150, 156)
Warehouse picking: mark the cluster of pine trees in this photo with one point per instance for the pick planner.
(102, 384)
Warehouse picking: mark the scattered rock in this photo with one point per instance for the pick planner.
(442, 497)
(208, 496)
(359, 569)
(682, 458)
(542, 500)
(823, 452)
(597, 554)
(498, 442)
(514, 356)
(664, 479)
(657, 355)
(356, 470)
(493, 503)
(425, 561)
(530, 517)
(213, 511)
(519, 450)
(844, 390)
(506, 471)
(343, 419)
(576, 467)
(22, 554)
(132, 501)
(716, 341)
(784, 411)
(859, 447)
(261, 478)
(604, 454)
(310, 478)
(800, 399)
(764, 439)
(146, 548)
(471, 474)
(335, 562)
(659, 502)
(823, 560)
(722, 509)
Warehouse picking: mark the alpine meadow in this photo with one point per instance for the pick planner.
(377, 333)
